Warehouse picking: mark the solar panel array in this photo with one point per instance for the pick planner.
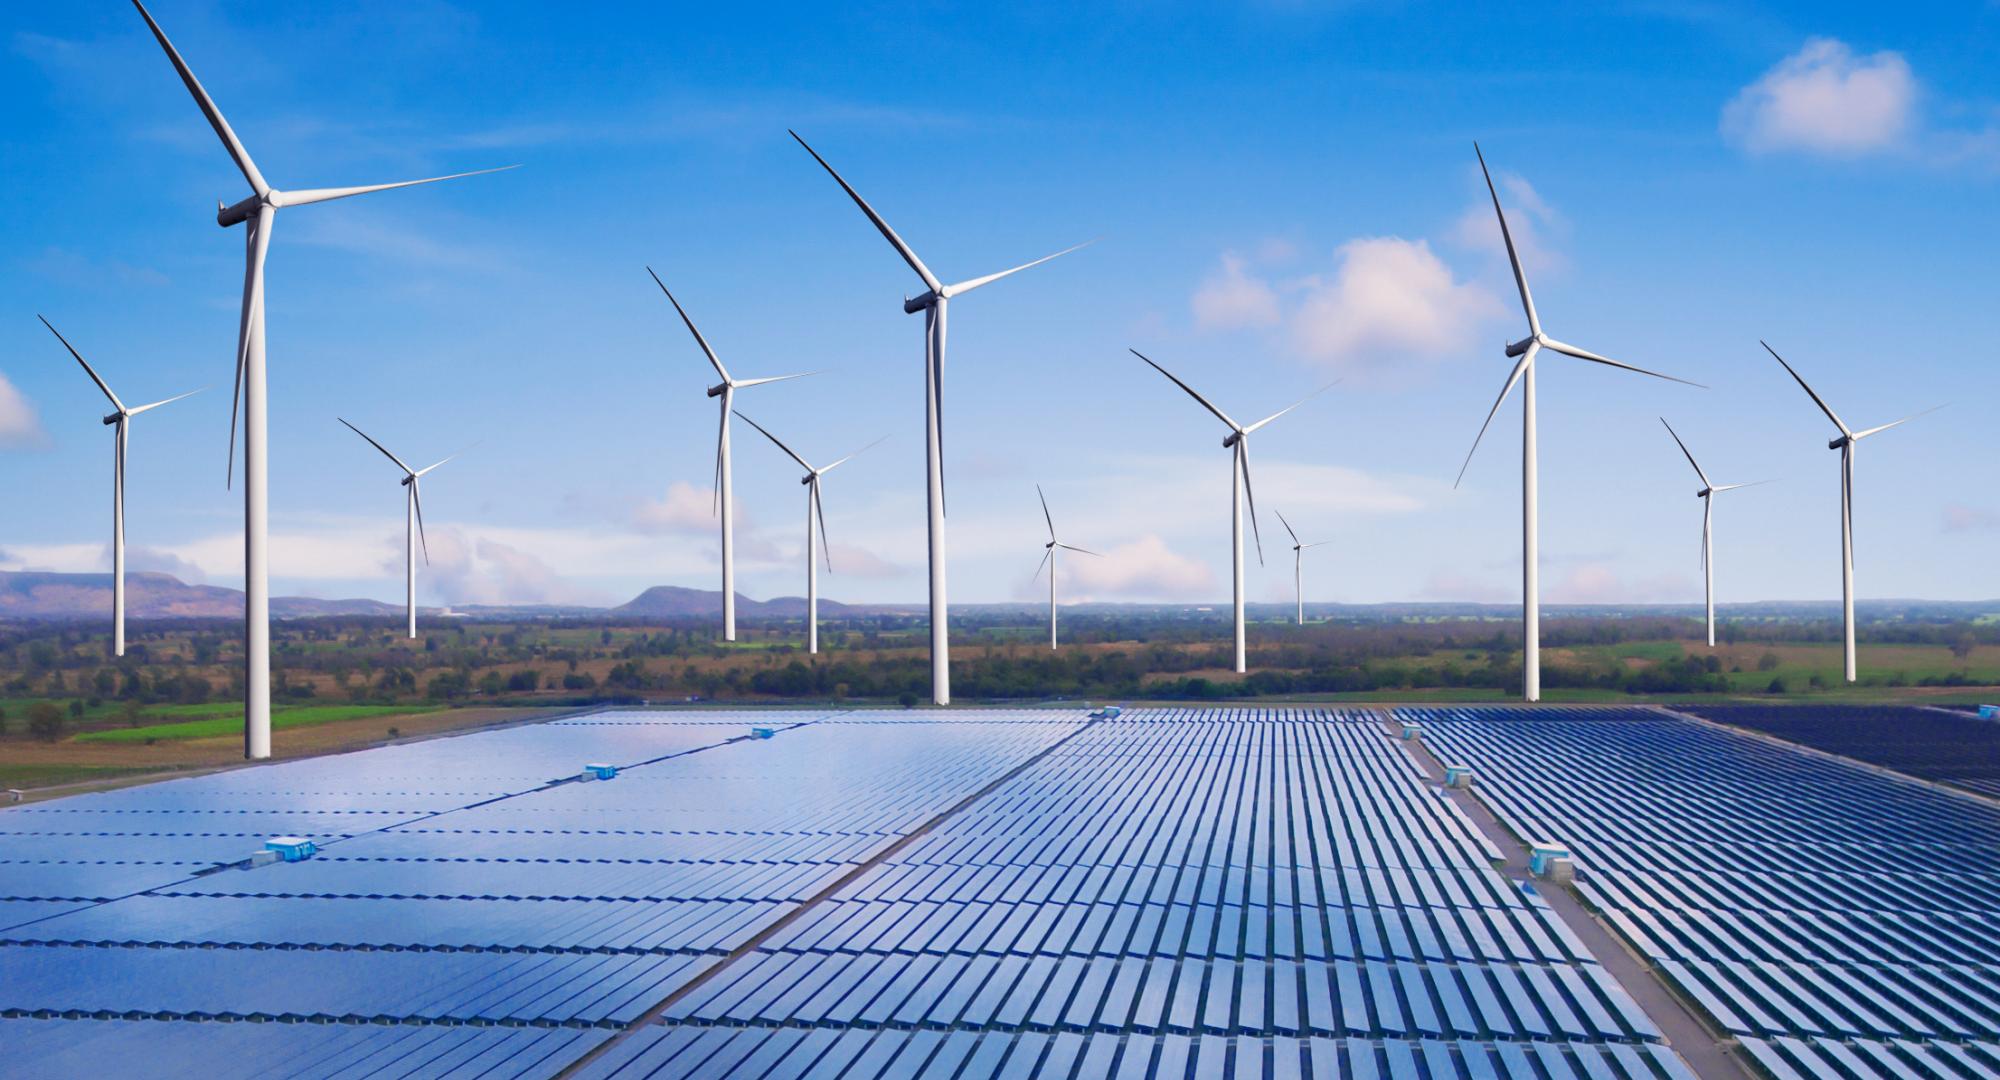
(1839, 921)
(1174, 893)
(483, 912)
(1949, 747)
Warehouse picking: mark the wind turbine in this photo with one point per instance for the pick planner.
(1049, 560)
(1239, 489)
(413, 528)
(1298, 563)
(814, 512)
(120, 418)
(1525, 350)
(932, 303)
(724, 476)
(1845, 444)
(258, 212)
(1707, 497)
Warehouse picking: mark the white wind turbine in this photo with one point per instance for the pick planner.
(413, 526)
(932, 303)
(1707, 496)
(814, 513)
(1845, 444)
(121, 418)
(1238, 440)
(1526, 350)
(258, 212)
(1049, 560)
(1299, 563)
(725, 484)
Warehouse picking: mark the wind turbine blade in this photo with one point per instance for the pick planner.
(1205, 403)
(1520, 366)
(164, 401)
(1243, 462)
(87, 369)
(889, 234)
(967, 286)
(385, 450)
(1047, 554)
(1893, 423)
(819, 512)
(1684, 453)
(319, 195)
(417, 497)
(773, 378)
(698, 339)
(721, 433)
(1079, 551)
(207, 104)
(1045, 511)
(1707, 512)
(435, 464)
(1733, 487)
(852, 456)
(1830, 415)
(1289, 531)
(789, 452)
(1513, 257)
(1290, 407)
(1586, 354)
(257, 244)
(1314, 544)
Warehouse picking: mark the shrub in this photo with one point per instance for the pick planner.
(45, 721)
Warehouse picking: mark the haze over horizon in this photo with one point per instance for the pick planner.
(1686, 181)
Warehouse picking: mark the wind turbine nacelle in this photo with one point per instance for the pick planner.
(1521, 346)
(806, 479)
(718, 389)
(1231, 439)
(112, 419)
(914, 304)
(1836, 444)
(1704, 493)
(226, 216)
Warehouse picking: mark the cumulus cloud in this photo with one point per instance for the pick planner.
(1530, 219)
(159, 560)
(1598, 583)
(1146, 569)
(1231, 298)
(1389, 299)
(685, 508)
(1826, 99)
(19, 424)
(467, 570)
(856, 562)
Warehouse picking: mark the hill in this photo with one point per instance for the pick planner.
(30, 594)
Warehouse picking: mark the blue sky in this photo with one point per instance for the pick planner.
(1285, 193)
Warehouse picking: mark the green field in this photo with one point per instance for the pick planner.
(224, 720)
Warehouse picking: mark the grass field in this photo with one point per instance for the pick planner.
(228, 720)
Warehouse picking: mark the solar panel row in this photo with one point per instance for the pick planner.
(1174, 890)
(1948, 747)
(457, 883)
(1823, 912)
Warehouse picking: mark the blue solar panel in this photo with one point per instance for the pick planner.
(1818, 910)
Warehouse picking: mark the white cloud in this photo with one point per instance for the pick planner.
(1232, 299)
(1529, 216)
(19, 424)
(1145, 569)
(1389, 301)
(1825, 99)
(685, 509)
(1598, 583)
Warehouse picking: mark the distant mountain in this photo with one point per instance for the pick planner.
(677, 601)
(36, 595)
